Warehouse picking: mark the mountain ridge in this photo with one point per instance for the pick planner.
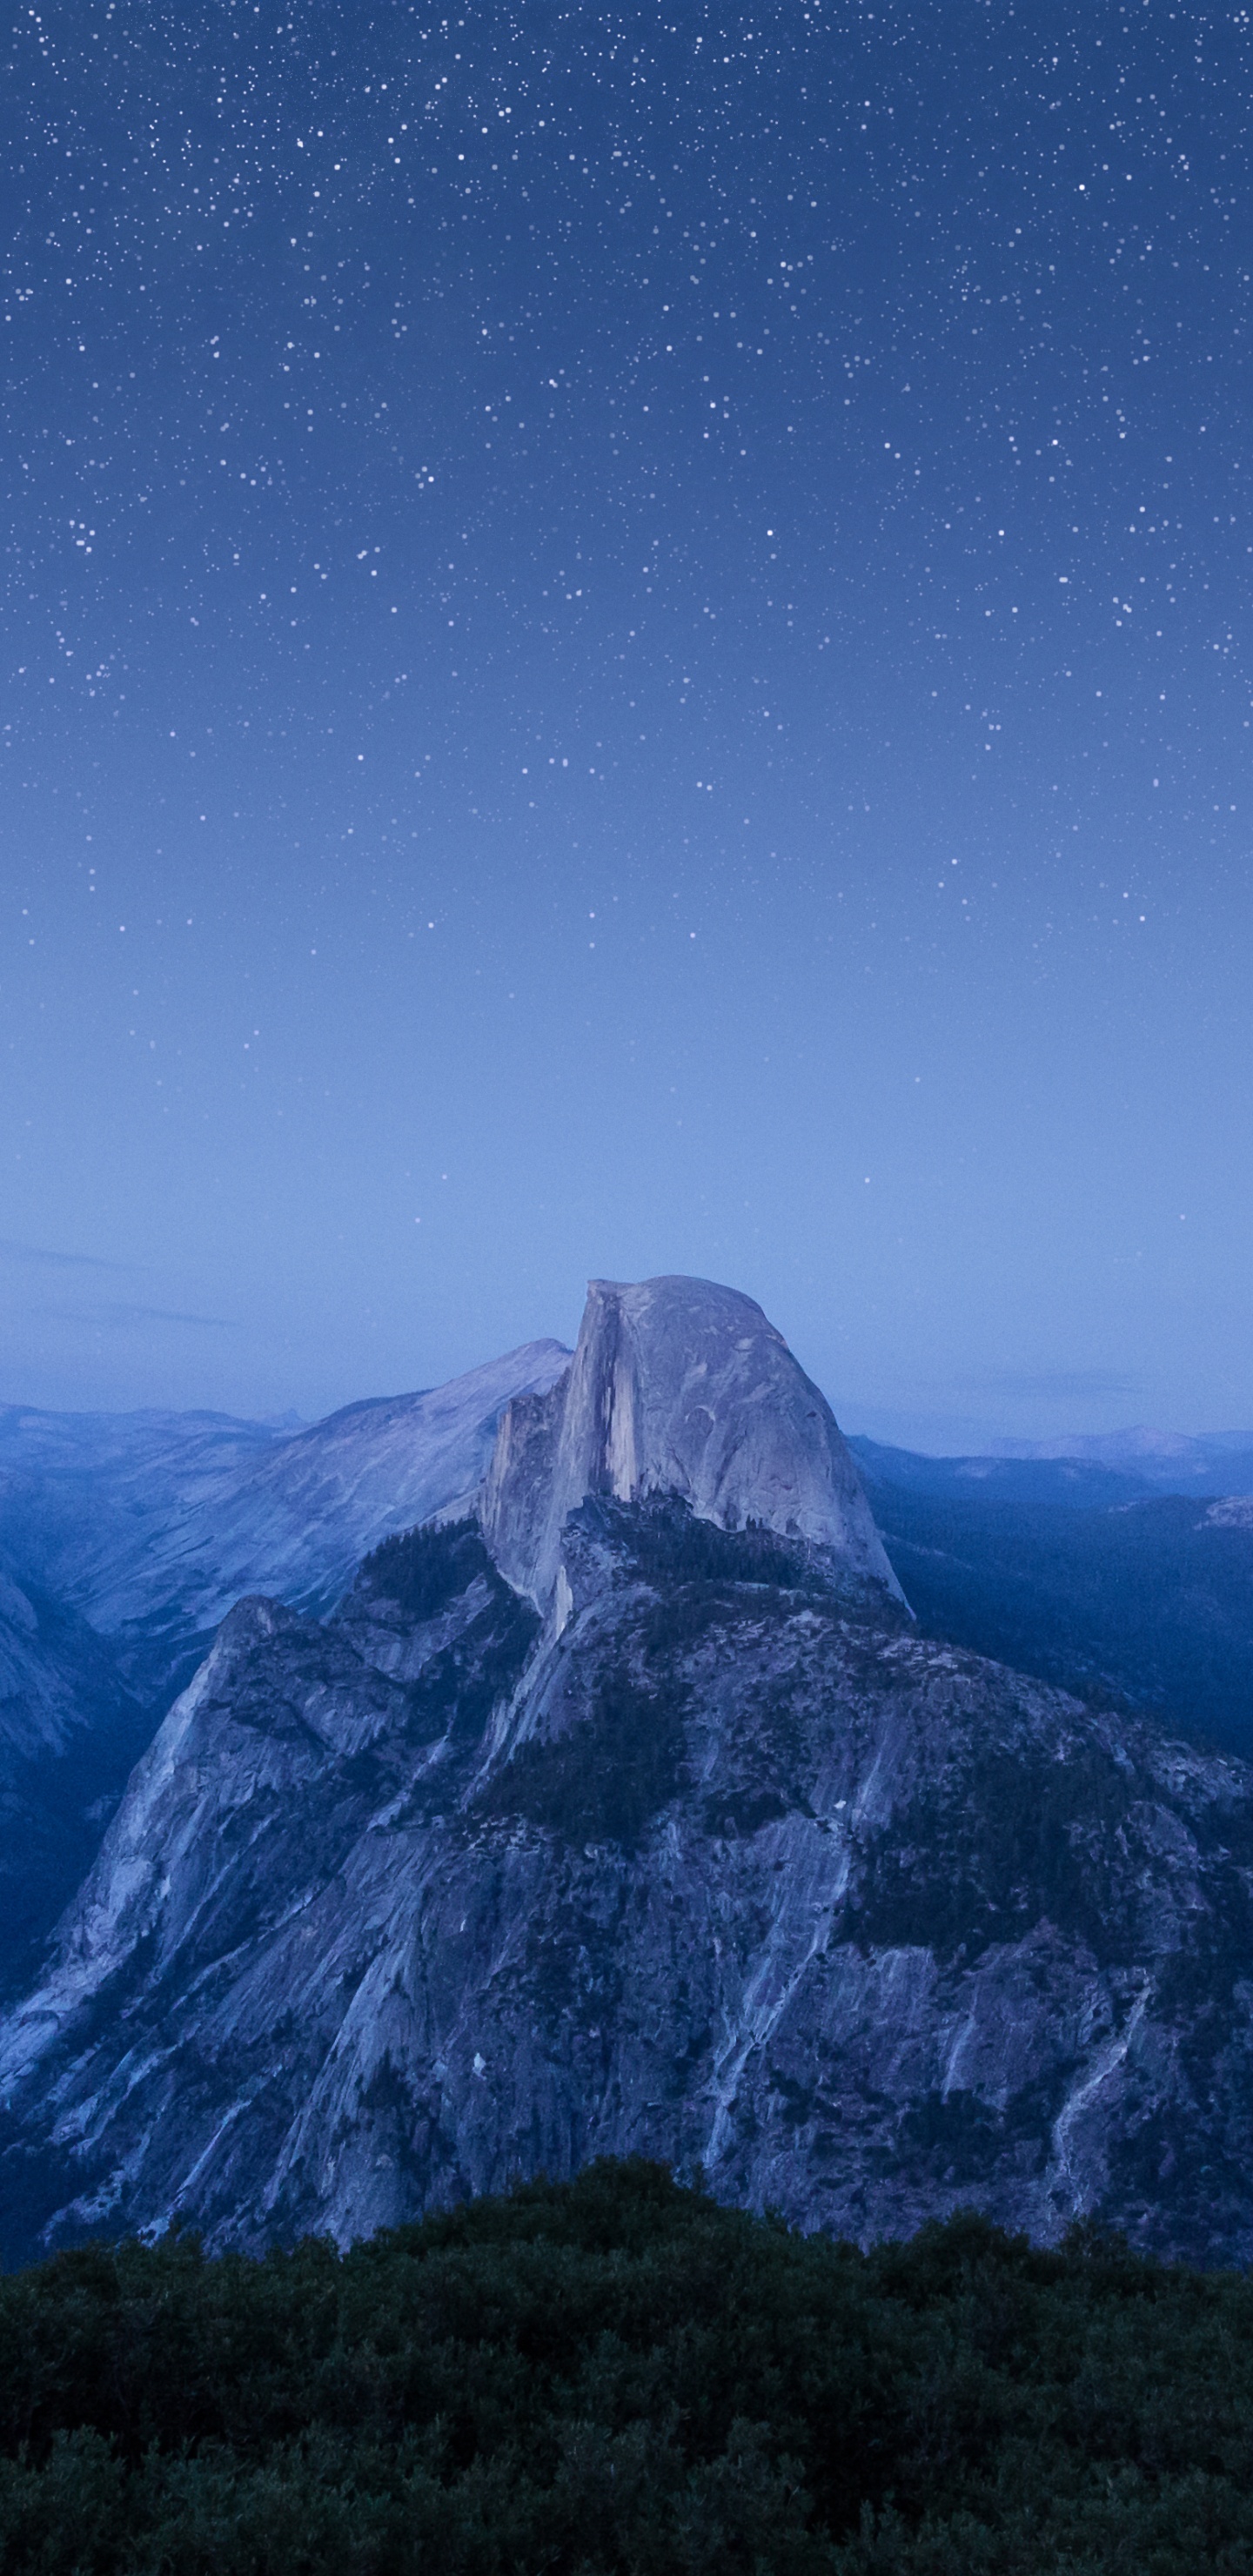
(689, 1845)
(151, 1531)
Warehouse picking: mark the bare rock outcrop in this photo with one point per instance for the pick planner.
(677, 1386)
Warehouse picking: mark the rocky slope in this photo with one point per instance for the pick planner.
(688, 1844)
(69, 1733)
(151, 1525)
(129, 1535)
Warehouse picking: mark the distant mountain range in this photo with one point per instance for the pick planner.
(1174, 1461)
(1108, 1468)
(629, 1805)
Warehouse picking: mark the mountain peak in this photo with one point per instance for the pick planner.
(677, 1386)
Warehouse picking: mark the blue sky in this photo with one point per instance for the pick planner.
(626, 648)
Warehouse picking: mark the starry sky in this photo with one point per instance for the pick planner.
(626, 648)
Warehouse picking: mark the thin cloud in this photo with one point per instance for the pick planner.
(34, 1254)
(126, 1318)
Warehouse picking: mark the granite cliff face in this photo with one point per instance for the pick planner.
(679, 1840)
(680, 1387)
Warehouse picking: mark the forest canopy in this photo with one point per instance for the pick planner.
(618, 2377)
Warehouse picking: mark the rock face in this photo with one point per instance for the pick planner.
(409, 1903)
(69, 1733)
(128, 1538)
(152, 1525)
(681, 1387)
(720, 1862)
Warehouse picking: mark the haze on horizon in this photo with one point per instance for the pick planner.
(626, 645)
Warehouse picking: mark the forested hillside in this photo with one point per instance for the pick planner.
(1143, 1605)
(620, 2378)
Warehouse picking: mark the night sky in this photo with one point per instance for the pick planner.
(626, 648)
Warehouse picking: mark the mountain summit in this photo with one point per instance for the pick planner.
(680, 1387)
(636, 1816)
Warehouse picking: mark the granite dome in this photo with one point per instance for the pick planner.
(677, 1386)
